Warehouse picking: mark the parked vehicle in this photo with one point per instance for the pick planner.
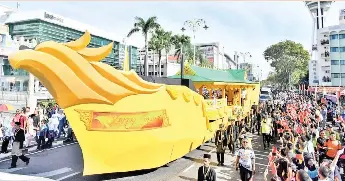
(264, 98)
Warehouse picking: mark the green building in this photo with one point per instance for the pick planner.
(45, 26)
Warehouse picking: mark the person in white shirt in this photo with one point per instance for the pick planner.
(54, 122)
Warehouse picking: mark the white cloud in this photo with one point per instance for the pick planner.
(239, 26)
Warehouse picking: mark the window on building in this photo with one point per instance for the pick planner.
(334, 37)
(341, 36)
(342, 62)
(334, 62)
(335, 75)
(342, 75)
(334, 49)
(327, 71)
(342, 49)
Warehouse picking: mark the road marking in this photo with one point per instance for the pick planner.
(185, 170)
(52, 173)
(188, 168)
(12, 170)
(261, 164)
(32, 153)
(67, 176)
(265, 156)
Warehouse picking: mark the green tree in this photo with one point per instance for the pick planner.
(160, 40)
(184, 42)
(145, 27)
(181, 42)
(290, 61)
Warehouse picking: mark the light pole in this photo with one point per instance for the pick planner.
(125, 64)
(194, 25)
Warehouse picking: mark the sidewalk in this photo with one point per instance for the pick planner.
(224, 173)
(32, 148)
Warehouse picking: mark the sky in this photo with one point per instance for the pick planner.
(237, 25)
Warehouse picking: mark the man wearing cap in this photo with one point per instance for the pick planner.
(19, 138)
(245, 161)
(221, 142)
(205, 172)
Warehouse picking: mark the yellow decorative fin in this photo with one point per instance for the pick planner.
(187, 96)
(63, 84)
(132, 76)
(204, 108)
(96, 54)
(115, 76)
(172, 91)
(80, 43)
(85, 71)
(197, 99)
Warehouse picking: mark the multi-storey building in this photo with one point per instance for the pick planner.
(252, 75)
(45, 26)
(214, 53)
(330, 67)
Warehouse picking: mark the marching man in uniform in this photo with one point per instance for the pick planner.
(221, 142)
(205, 172)
(19, 138)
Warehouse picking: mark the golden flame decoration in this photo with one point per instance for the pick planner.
(73, 74)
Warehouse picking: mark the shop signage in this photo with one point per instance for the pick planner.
(52, 17)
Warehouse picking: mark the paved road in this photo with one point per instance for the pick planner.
(65, 163)
(228, 172)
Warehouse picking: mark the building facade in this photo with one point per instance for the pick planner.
(45, 26)
(329, 70)
(249, 69)
(153, 61)
(214, 53)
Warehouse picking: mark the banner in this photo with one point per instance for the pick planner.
(117, 121)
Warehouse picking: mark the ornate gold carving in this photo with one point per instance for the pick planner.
(86, 116)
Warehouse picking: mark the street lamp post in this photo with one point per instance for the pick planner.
(194, 25)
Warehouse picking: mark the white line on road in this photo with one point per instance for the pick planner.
(185, 170)
(68, 176)
(32, 153)
(188, 168)
(12, 170)
(52, 173)
(261, 164)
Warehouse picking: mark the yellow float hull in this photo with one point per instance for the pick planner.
(128, 150)
(121, 122)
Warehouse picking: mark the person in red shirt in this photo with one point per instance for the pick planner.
(23, 119)
(15, 118)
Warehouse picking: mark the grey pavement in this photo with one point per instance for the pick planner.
(66, 163)
(31, 148)
(228, 172)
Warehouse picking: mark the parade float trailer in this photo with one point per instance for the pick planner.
(122, 123)
(237, 93)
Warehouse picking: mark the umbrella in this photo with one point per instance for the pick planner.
(6, 107)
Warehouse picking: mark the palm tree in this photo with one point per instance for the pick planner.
(180, 42)
(167, 46)
(145, 27)
(160, 40)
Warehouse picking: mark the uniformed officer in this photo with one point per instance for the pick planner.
(205, 172)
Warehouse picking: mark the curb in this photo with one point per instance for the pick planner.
(33, 148)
